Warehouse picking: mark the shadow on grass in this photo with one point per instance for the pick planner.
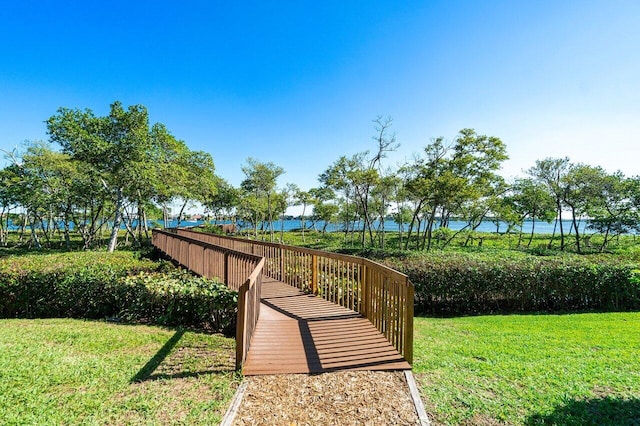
(185, 374)
(148, 369)
(175, 367)
(600, 411)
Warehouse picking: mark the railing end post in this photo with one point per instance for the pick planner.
(241, 326)
(408, 341)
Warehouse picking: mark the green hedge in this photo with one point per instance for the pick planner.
(180, 298)
(470, 283)
(111, 285)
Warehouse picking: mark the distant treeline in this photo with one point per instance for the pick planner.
(106, 172)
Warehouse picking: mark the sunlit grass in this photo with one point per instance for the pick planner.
(83, 372)
(530, 369)
(625, 246)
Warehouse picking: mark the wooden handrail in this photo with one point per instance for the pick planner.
(239, 270)
(381, 294)
(248, 313)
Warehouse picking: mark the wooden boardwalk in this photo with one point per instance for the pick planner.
(301, 333)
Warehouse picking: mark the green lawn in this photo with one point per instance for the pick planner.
(64, 371)
(576, 369)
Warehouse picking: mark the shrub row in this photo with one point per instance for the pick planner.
(111, 285)
(471, 283)
(180, 298)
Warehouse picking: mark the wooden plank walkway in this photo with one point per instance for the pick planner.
(301, 333)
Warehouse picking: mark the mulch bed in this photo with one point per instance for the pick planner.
(344, 398)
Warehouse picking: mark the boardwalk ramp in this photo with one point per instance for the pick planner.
(302, 333)
(301, 310)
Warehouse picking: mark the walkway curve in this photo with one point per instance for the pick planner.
(302, 333)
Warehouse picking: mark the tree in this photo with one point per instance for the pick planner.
(167, 173)
(582, 186)
(382, 195)
(51, 195)
(550, 172)
(199, 179)
(454, 178)
(54, 189)
(326, 213)
(302, 198)
(260, 181)
(115, 146)
(224, 203)
(478, 207)
(532, 200)
(10, 182)
(252, 209)
(133, 163)
(616, 210)
(323, 210)
(357, 176)
(400, 195)
(336, 178)
(37, 187)
(285, 198)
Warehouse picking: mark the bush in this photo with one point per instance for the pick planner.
(180, 298)
(103, 285)
(470, 283)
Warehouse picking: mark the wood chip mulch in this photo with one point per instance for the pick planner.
(343, 398)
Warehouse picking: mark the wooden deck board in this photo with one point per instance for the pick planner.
(301, 333)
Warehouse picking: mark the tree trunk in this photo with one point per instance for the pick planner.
(411, 224)
(382, 235)
(429, 230)
(113, 240)
(303, 221)
(520, 236)
(446, 243)
(146, 228)
(165, 216)
(140, 214)
(575, 226)
(419, 227)
(67, 238)
(270, 218)
(130, 231)
(184, 205)
(34, 234)
(533, 227)
(282, 228)
(3, 235)
(255, 225)
(45, 233)
(553, 234)
(606, 240)
(561, 226)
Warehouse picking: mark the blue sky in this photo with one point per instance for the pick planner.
(299, 83)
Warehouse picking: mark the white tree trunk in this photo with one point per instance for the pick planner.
(113, 241)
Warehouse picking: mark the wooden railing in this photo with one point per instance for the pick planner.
(382, 295)
(248, 312)
(240, 271)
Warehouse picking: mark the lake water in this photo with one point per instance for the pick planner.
(485, 226)
(291, 224)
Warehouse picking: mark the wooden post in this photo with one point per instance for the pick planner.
(408, 324)
(241, 325)
(314, 274)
